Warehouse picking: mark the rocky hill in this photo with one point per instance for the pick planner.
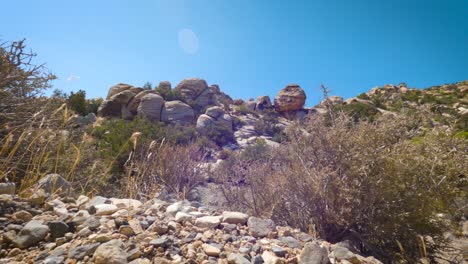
(257, 181)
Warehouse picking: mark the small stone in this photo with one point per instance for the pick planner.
(110, 253)
(342, 253)
(208, 221)
(37, 198)
(53, 183)
(92, 223)
(279, 251)
(80, 252)
(260, 227)
(102, 238)
(57, 229)
(313, 253)
(14, 252)
(270, 258)
(234, 258)
(22, 216)
(211, 250)
(105, 209)
(290, 242)
(163, 241)
(176, 207)
(7, 188)
(183, 217)
(126, 230)
(133, 254)
(234, 218)
(141, 261)
(84, 232)
(33, 232)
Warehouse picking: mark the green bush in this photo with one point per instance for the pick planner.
(113, 138)
(361, 111)
(77, 102)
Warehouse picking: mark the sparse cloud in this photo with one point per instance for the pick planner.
(72, 78)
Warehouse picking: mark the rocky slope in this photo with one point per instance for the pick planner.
(63, 228)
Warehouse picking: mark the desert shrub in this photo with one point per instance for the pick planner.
(220, 135)
(19, 74)
(267, 125)
(93, 105)
(361, 111)
(158, 165)
(242, 109)
(113, 138)
(180, 134)
(238, 102)
(167, 94)
(41, 145)
(367, 182)
(363, 96)
(225, 154)
(77, 102)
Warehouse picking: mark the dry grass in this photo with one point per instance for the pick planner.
(371, 183)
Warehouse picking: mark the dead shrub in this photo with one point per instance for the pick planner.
(161, 165)
(379, 184)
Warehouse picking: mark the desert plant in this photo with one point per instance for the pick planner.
(77, 102)
(158, 165)
(367, 182)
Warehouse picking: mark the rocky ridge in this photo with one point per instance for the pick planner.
(63, 228)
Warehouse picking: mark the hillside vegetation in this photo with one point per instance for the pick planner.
(385, 170)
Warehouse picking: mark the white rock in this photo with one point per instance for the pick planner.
(208, 221)
(126, 203)
(105, 209)
(270, 258)
(176, 207)
(183, 217)
(211, 250)
(234, 218)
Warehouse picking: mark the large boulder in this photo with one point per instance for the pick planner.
(196, 93)
(132, 106)
(263, 102)
(116, 101)
(150, 107)
(123, 97)
(177, 112)
(110, 108)
(291, 98)
(214, 117)
(190, 89)
(120, 87)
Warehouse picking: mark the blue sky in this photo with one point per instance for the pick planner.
(248, 47)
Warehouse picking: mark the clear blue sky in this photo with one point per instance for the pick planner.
(248, 47)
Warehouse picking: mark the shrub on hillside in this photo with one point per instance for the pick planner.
(160, 165)
(366, 182)
(77, 102)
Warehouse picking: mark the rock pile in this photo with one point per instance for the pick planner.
(63, 229)
(192, 96)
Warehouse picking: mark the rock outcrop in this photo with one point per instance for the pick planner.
(214, 116)
(290, 99)
(177, 112)
(150, 107)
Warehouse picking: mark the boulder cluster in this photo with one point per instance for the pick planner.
(62, 228)
(192, 96)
